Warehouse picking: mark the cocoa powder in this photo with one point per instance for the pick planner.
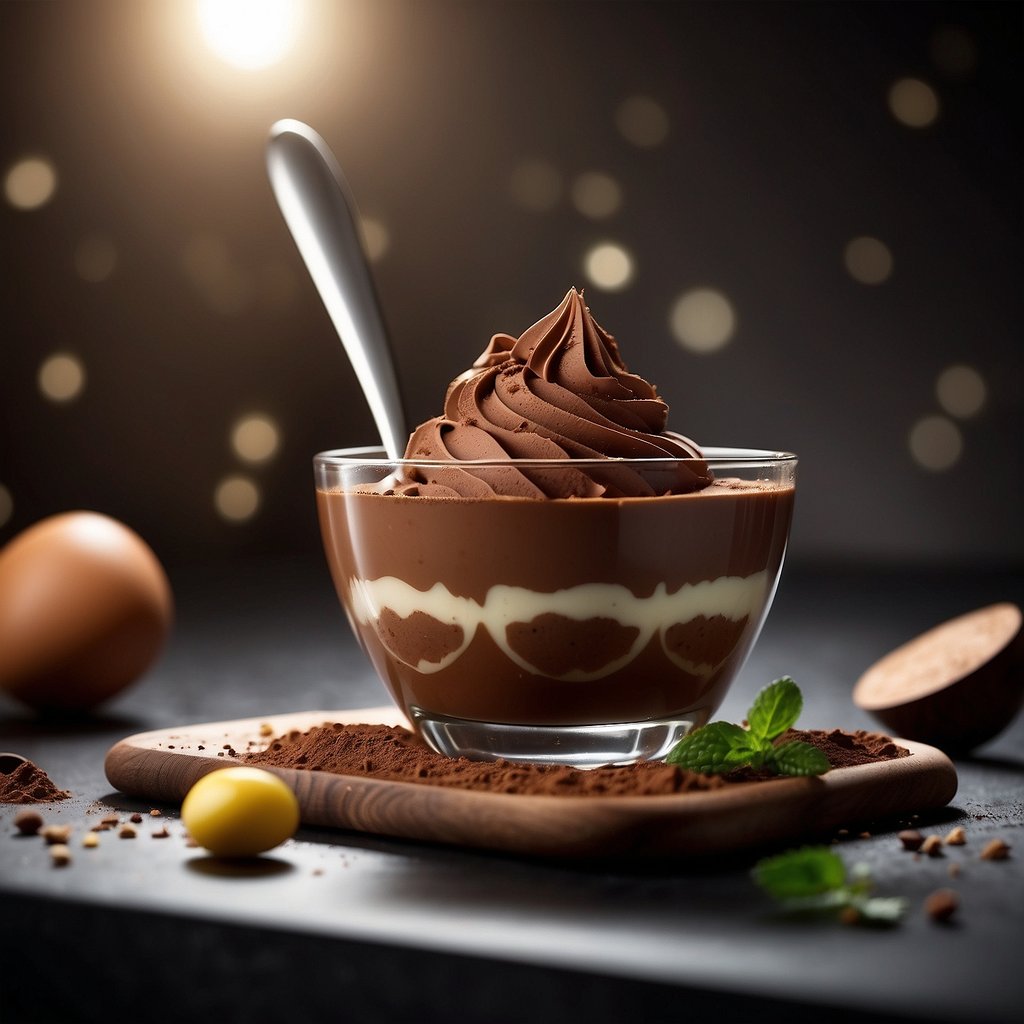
(29, 784)
(396, 754)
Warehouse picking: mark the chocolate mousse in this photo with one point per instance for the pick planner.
(488, 588)
(561, 391)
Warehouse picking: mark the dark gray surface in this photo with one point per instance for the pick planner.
(364, 925)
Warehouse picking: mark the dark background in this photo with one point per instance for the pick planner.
(781, 148)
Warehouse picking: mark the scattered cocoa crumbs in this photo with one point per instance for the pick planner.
(849, 916)
(60, 855)
(995, 849)
(28, 823)
(396, 754)
(942, 904)
(29, 784)
(56, 835)
(911, 839)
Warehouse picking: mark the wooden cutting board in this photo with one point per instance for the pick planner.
(163, 765)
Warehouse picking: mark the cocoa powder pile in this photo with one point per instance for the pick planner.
(398, 755)
(27, 783)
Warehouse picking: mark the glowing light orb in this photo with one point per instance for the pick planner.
(237, 499)
(868, 260)
(62, 377)
(30, 183)
(608, 266)
(935, 443)
(596, 195)
(961, 391)
(702, 320)
(250, 34)
(913, 103)
(255, 438)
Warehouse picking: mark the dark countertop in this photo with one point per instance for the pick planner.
(337, 924)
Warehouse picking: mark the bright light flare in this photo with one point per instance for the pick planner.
(250, 34)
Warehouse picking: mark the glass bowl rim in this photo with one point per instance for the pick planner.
(373, 455)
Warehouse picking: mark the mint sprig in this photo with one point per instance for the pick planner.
(814, 879)
(721, 747)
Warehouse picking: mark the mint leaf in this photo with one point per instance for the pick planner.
(798, 758)
(721, 746)
(802, 873)
(814, 879)
(775, 709)
(718, 747)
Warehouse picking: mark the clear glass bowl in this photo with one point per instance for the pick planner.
(583, 631)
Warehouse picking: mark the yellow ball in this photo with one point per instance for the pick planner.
(240, 812)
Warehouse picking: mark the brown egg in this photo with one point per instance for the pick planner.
(85, 607)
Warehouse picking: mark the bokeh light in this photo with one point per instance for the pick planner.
(935, 443)
(596, 195)
(868, 260)
(6, 505)
(250, 34)
(30, 183)
(702, 320)
(953, 51)
(536, 185)
(608, 266)
(95, 259)
(62, 377)
(236, 499)
(642, 121)
(376, 238)
(961, 391)
(255, 438)
(913, 103)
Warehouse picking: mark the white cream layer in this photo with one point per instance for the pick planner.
(732, 597)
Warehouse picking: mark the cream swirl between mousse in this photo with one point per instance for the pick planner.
(560, 391)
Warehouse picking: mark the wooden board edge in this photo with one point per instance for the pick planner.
(688, 824)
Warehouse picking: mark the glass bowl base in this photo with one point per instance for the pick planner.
(581, 746)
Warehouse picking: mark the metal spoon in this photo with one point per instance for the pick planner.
(318, 209)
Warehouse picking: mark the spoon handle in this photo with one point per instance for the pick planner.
(318, 209)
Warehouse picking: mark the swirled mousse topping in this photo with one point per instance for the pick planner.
(559, 391)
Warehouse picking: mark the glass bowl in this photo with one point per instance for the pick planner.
(578, 630)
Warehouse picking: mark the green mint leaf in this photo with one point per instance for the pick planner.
(802, 873)
(775, 709)
(814, 880)
(880, 909)
(718, 747)
(798, 758)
